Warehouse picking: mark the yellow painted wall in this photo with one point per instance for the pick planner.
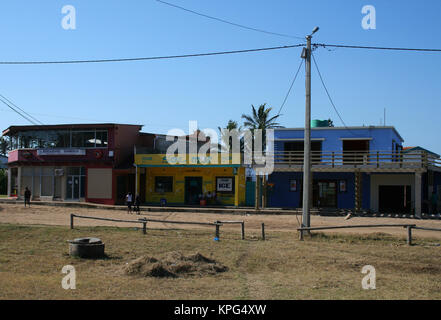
(208, 183)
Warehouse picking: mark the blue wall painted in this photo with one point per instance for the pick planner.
(281, 196)
(382, 137)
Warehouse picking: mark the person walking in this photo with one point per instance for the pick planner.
(27, 197)
(137, 203)
(129, 202)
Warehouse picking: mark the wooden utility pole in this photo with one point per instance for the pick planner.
(306, 54)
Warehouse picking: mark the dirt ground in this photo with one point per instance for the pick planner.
(50, 215)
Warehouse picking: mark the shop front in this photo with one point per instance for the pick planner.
(190, 184)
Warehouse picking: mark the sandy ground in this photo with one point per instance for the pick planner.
(50, 215)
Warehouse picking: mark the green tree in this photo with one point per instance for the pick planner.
(4, 144)
(3, 181)
(261, 119)
(227, 140)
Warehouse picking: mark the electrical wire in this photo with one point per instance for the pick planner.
(229, 22)
(18, 112)
(14, 105)
(324, 45)
(329, 96)
(153, 58)
(292, 83)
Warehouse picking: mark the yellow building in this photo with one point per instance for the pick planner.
(190, 180)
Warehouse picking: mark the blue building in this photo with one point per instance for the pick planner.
(356, 168)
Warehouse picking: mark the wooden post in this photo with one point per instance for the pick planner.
(409, 235)
(144, 227)
(243, 230)
(378, 159)
(263, 231)
(217, 234)
(72, 220)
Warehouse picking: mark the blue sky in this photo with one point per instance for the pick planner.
(167, 94)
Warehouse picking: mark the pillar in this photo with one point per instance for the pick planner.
(418, 194)
(18, 182)
(9, 181)
(358, 191)
(257, 195)
(236, 190)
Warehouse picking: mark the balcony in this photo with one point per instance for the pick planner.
(352, 160)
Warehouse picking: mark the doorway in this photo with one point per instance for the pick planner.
(73, 187)
(324, 194)
(354, 151)
(394, 199)
(193, 188)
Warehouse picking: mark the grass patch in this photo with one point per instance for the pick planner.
(324, 266)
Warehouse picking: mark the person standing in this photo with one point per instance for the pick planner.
(129, 202)
(27, 197)
(137, 203)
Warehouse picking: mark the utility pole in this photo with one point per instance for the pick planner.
(306, 54)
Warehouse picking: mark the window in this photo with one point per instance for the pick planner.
(163, 184)
(101, 139)
(60, 139)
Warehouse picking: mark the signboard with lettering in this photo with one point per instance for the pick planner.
(61, 152)
(224, 184)
(214, 160)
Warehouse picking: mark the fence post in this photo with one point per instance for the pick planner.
(72, 220)
(243, 230)
(144, 227)
(301, 235)
(217, 234)
(263, 231)
(409, 235)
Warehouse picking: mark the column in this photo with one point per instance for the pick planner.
(236, 190)
(418, 194)
(18, 182)
(9, 181)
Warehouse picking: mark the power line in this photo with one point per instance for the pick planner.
(327, 92)
(229, 22)
(324, 45)
(289, 91)
(18, 112)
(14, 105)
(153, 58)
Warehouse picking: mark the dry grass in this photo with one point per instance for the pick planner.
(321, 267)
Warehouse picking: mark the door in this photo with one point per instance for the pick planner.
(193, 188)
(73, 188)
(325, 194)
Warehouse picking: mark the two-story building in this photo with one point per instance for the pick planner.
(73, 162)
(357, 168)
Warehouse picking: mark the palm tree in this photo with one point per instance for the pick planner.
(261, 119)
(226, 140)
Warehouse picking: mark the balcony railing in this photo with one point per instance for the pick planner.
(373, 159)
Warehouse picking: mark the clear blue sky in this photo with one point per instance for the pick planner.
(166, 94)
